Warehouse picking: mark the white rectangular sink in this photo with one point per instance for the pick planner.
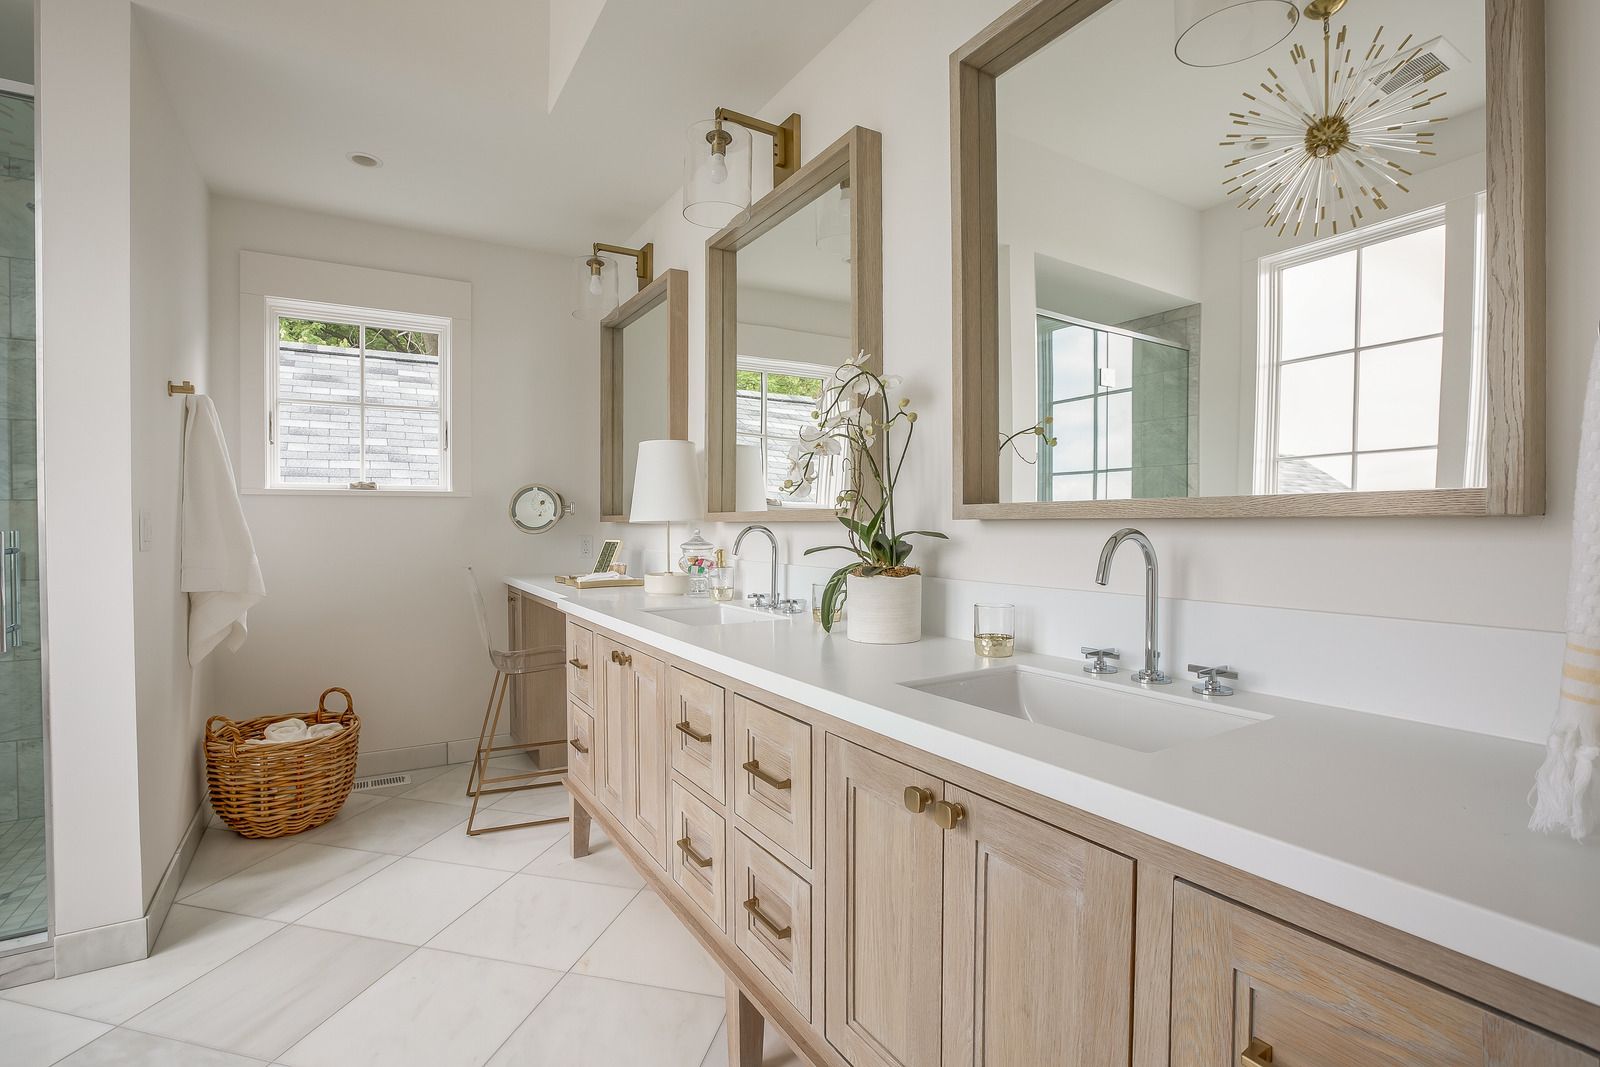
(1143, 722)
(711, 615)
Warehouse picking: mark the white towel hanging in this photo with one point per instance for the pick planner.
(220, 571)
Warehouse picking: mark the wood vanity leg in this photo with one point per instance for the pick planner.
(579, 822)
(745, 1026)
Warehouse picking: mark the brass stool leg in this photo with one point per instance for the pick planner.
(483, 732)
(481, 764)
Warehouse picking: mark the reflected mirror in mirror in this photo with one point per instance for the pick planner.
(793, 329)
(643, 388)
(1192, 312)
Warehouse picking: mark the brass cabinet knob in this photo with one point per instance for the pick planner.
(1258, 1054)
(621, 659)
(918, 798)
(948, 815)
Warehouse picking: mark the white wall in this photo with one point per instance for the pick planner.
(890, 70)
(169, 342)
(367, 592)
(86, 484)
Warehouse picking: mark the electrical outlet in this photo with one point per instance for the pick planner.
(586, 546)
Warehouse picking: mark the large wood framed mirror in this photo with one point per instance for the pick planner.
(644, 383)
(1224, 307)
(793, 289)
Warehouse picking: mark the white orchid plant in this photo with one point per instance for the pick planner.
(854, 414)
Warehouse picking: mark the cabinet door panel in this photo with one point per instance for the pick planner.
(646, 721)
(1239, 977)
(580, 664)
(1038, 943)
(697, 710)
(580, 741)
(884, 884)
(612, 693)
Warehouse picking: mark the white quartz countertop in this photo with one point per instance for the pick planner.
(1418, 827)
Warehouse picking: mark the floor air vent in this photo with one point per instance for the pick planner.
(380, 782)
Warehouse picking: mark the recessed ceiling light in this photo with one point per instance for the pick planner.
(364, 159)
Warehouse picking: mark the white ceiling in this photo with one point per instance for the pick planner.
(1155, 122)
(456, 100)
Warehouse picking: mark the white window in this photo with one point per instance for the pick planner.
(1365, 383)
(775, 400)
(355, 389)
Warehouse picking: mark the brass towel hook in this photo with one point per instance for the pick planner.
(175, 388)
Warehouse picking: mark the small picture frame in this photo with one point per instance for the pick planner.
(608, 555)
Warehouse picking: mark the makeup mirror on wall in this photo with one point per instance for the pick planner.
(793, 290)
(644, 383)
(1304, 281)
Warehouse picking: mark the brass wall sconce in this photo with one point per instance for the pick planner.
(596, 290)
(717, 163)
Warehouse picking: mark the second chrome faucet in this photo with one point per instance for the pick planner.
(1151, 673)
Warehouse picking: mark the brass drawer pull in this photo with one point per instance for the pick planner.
(576, 662)
(948, 815)
(1259, 1054)
(753, 906)
(690, 732)
(621, 659)
(695, 858)
(918, 798)
(754, 767)
(582, 748)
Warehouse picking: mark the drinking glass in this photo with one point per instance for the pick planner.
(994, 629)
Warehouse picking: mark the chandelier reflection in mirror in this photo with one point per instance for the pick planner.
(1317, 165)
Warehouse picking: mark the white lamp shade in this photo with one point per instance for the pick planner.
(715, 191)
(666, 483)
(1214, 33)
(586, 303)
(750, 479)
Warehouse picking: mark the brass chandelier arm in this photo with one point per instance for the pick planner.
(785, 139)
(643, 259)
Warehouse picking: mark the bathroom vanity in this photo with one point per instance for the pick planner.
(899, 858)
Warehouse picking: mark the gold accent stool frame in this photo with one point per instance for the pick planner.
(672, 288)
(857, 157)
(1514, 312)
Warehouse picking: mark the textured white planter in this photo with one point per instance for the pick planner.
(884, 611)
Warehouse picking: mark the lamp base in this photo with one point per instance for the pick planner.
(666, 583)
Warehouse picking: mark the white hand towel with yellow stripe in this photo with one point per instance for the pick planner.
(1565, 789)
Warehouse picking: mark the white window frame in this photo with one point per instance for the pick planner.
(765, 365)
(367, 319)
(1269, 269)
(270, 286)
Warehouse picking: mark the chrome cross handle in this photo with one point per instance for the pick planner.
(1097, 659)
(1211, 686)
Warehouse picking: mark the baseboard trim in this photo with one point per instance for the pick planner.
(79, 951)
(31, 965)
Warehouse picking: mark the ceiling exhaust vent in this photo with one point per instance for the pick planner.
(1432, 59)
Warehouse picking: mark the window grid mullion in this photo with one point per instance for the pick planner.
(361, 381)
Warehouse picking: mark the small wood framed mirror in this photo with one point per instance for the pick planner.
(793, 290)
(1293, 272)
(644, 383)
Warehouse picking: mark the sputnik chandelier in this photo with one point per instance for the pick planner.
(1316, 165)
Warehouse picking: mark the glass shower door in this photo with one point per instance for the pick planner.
(23, 896)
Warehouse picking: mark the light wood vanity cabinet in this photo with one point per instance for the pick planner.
(1249, 990)
(887, 908)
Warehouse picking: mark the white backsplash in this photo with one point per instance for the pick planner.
(1484, 679)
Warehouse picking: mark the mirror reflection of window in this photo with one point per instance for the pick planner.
(1181, 347)
(775, 401)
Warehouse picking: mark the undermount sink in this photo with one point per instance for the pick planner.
(711, 615)
(1126, 718)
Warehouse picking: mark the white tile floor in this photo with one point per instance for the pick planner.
(390, 937)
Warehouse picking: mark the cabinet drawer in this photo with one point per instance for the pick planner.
(772, 775)
(580, 655)
(772, 920)
(699, 732)
(698, 855)
(1243, 983)
(580, 745)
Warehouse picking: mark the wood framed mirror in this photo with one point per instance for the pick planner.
(793, 289)
(644, 383)
(1221, 316)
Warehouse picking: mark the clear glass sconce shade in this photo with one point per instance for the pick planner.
(593, 296)
(716, 188)
(1215, 33)
(833, 222)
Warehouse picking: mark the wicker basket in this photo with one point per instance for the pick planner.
(274, 790)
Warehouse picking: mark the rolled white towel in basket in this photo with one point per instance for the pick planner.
(286, 730)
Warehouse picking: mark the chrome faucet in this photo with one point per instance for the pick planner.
(771, 599)
(1151, 673)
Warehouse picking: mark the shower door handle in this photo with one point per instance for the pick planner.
(10, 591)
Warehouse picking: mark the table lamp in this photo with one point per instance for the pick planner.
(666, 488)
